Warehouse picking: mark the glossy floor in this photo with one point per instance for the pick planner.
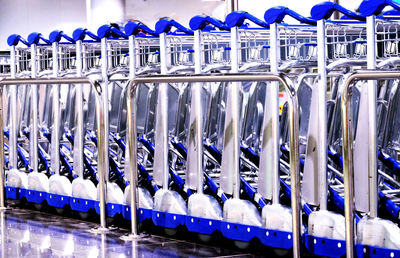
(29, 233)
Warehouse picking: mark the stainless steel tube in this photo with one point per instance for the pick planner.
(347, 135)
(2, 163)
(55, 136)
(34, 124)
(132, 143)
(293, 125)
(102, 152)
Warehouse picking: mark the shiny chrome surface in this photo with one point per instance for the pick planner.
(27, 233)
(103, 143)
(347, 135)
(133, 87)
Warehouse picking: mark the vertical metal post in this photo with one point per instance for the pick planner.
(131, 139)
(322, 136)
(79, 134)
(269, 182)
(132, 147)
(13, 154)
(371, 92)
(55, 136)
(295, 174)
(2, 165)
(232, 5)
(348, 173)
(103, 177)
(34, 112)
(230, 168)
(194, 165)
(161, 163)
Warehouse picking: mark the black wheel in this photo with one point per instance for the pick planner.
(170, 231)
(241, 244)
(83, 215)
(204, 238)
(60, 211)
(38, 206)
(281, 252)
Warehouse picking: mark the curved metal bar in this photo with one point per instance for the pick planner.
(102, 151)
(347, 135)
(133, 87)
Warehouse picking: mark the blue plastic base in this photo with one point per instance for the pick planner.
(237, 231)
(112, 209)
(202, 225)
(373, 251)
(58, 201)
(167, 220)
(142, 213)
(82, 205)
(36, 196)
(275, 238)
(12, 193)
(324, 246)
(15, 193)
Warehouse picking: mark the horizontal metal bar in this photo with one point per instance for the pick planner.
(64, 80)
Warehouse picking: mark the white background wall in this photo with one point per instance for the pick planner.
(26, 16)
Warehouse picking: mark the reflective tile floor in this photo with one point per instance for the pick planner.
(29, 233)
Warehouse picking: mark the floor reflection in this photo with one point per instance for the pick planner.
(26, 233)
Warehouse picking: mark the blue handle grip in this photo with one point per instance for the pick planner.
(57, 35)
(326, 9)
(14, 39)
(200, 22)
(80, 34)
(35, 37)
(375, 7)
(109, 31)
(237, 18)
(278, 13)
(135, 27)
(165, 25)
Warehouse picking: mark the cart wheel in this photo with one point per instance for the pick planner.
(241, 244)
(281, 252)
(84, 215)
(60, 211)
(204, 238)
(170, 231)
(38, 206)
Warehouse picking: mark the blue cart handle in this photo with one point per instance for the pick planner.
(80, 34)
(135, 27)
(165, 25)
(326, 9)
(199, 22)
(375, 7)
(57, 35)
(278, 13)
(237, 18)
(109, 31)
(14, 39)
(35, 37)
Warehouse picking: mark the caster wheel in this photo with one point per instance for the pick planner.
(170, 231)
(38, 206)
(281, 252)
(84, 215)
(60, 211)
(204, 238)
(18, 202)
(241, 244)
